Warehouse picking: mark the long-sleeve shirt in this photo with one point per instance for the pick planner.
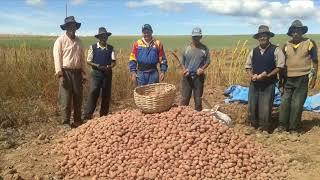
(194, 58)
(68, 54)
(278, 55)
(145, 56)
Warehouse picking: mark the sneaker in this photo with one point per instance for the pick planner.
(279, 129)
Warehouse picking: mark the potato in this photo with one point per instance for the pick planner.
(178, 144)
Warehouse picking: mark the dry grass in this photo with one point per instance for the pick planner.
(28, 74)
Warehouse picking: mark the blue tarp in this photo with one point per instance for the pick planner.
(238, 93)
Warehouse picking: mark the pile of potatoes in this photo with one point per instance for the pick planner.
(177, 144)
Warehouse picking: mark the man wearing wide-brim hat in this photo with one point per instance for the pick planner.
(301, 63)
(70, 68)
(263, 64)
(101, 58)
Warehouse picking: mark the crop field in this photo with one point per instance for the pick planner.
(28, 101)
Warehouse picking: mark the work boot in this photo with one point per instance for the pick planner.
(279, 129)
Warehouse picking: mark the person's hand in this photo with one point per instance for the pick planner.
(84, 79)
(200, 71)
(312, 82)
(61, 79)
(253, 77)
(262, 76)
(134, 77)
(102, 67)
(185, 72)
(162, 74)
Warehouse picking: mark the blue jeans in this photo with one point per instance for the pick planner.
(147, 77)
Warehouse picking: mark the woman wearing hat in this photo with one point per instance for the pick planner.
(70, 68)
(301, 59)
(263, 64)
(101, 58)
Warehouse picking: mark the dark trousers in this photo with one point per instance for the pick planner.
(192, 83)
(101, 81)
(70, 92)
(260, 105)
(295, 94)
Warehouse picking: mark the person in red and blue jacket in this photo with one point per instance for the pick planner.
(146, 54)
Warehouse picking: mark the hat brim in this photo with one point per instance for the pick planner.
(304, 30)
(99, 35)
(63, 26)
(270, 34)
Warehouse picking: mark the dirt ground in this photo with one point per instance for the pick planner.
(25, 152)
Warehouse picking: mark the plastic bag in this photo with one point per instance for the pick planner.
(220, 116)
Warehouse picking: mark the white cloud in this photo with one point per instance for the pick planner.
(77, 2)
(35, 2)
(255, 11)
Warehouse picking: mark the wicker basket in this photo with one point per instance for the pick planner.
(154, 98)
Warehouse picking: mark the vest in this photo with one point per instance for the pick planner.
(298, 60)
(265, 62)
(102, 56)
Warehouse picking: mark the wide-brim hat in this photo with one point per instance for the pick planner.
(68, 20)
(263, 29)
(102, 31)
(296, 24)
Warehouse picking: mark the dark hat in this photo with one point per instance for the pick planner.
(196, 31)
(296, 24)
(263, 29)
(69, 19)
(101, 31)
(147, 27)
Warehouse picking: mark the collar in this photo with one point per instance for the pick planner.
(263, 49)
(148, 44)
(75, 39)
(98, 46)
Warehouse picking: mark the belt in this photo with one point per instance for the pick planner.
(72, 69)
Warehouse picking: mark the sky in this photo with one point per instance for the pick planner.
(167, 17)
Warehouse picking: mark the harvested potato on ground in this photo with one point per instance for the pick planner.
(180, 144)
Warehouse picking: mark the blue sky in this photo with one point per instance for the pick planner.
(168, 17)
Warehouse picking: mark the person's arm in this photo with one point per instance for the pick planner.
(83, 62)
(206, 63)
(133, 62)
(113, 58)
(57, 56)
(314, 56)
(207, 60)
(90, 58)
(162, 58)
(185, 70)
(248, 66)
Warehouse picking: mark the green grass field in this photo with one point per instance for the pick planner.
(125, 42)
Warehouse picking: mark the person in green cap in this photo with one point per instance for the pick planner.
(263, 64)
(301, 60)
